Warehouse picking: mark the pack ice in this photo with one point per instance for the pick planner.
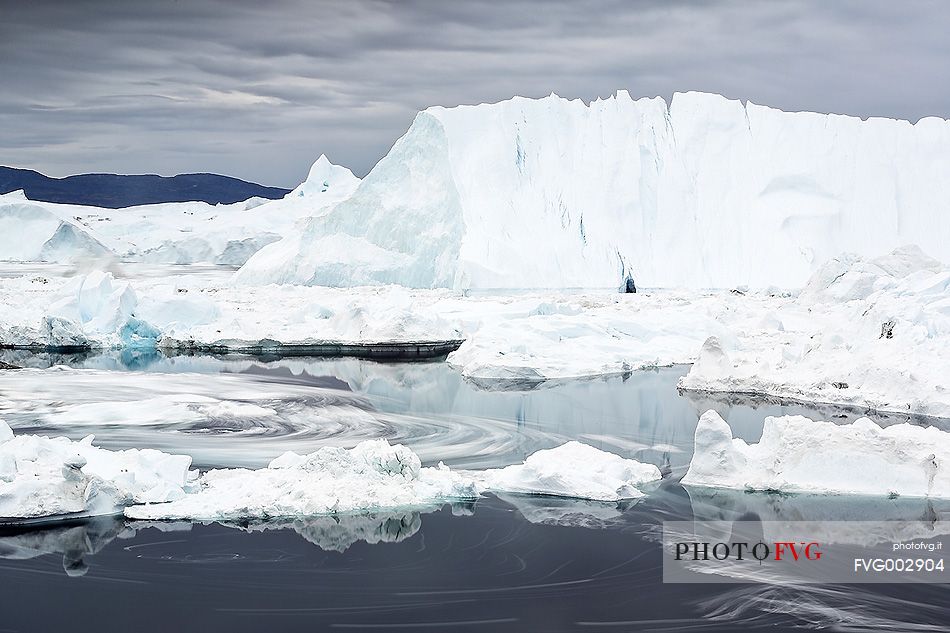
(556, 193)
(800, 455)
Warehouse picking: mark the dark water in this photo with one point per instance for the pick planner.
(503, 563)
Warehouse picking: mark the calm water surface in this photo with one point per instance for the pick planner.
(503, 563)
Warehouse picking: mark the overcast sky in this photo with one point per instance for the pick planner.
(258, 89)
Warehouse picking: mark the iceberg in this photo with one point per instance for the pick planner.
(167, 233)
(705, 192)
(30, 231)
(573, 470)
(800, 455)
(371, 476)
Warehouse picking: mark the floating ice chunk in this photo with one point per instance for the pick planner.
(46, 477)
(326, 178)
(797, 454)
(573, 470)
(372, 476)
(95, 302)
(58, 331)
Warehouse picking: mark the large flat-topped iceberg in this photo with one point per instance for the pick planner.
(705, 192)
(797, 454)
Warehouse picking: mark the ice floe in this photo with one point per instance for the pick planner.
(371, 476)
(42, 477)
(800, 455)
(573, 470)
(375, 475)
(57, 477)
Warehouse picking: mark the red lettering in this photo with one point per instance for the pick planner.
(781, 547)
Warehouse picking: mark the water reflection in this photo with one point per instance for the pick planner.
(525, 563)
(78, 540)
(73, 541)
(530, 563)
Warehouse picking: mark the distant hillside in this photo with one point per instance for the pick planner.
(114, 191)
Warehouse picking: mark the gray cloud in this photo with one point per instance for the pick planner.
(259, 92)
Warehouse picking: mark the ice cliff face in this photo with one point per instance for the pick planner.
(705, 192)
(31, 232)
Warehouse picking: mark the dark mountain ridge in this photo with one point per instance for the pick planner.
(114, 191)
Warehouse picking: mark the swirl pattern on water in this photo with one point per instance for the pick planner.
(242, 419)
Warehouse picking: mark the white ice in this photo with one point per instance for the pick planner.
(873, 333)
(41, 476)
(371, 476)
(800, 455)
(375, 475)
(573, 470)
(556, 193)
(51, 477)
(868, 333)
(169, 233)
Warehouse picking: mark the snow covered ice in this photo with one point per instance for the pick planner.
(375, 475)
(371, 476)
(43, 477)
(873, 333)
(53, 477)
(556, 193)
(863, 332)
(800, 455)
(170, 233)
(573, 470)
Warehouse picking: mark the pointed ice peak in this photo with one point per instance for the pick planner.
(323, 169)
(324, 176)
